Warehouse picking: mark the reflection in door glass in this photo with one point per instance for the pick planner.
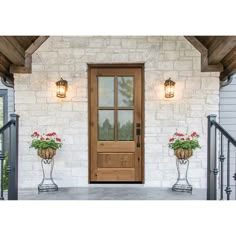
(125, 125)
(105, 91)
(105, 125)
(125, 91)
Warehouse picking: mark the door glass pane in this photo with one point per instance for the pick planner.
(105, 91)
(125, 125)
(125, 91)
(105, 125)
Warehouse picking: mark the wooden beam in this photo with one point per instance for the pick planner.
(4, 61)
(229, 63)
(6, 75)
(197, 44)
(23, 69)
(10, 52)
(16, 44)
(27, 68)
(205, 67)
(36, 44)
(228, 70)
(231, 56)
(3, 69)
(220, 48)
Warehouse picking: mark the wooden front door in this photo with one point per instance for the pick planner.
(116, 124)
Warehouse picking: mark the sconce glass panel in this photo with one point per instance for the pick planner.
(62, 86)
(169, 88)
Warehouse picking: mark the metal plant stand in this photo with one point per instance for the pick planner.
(47, 183)
(182, 184)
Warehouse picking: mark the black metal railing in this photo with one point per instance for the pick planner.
(12, 169)
(220, 147)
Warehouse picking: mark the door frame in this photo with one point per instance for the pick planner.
(117, 65)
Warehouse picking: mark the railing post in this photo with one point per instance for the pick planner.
(13, 159)
(211, 159)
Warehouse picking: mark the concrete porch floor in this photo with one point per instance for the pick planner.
(112, 193)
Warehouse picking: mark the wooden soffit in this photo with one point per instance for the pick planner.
(218, 54)
(16, 54)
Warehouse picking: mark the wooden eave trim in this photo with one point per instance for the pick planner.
(228, 71)
(12, 52)
(27, 68)
(36, 44)
(221, 48)
(205, 67)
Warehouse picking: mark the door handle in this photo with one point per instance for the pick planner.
(138, 133)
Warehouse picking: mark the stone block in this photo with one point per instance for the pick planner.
(165, 65)
(210, 83)
(184, 45)
(128, 43)
(183, 65)
(67, 106)
(197, 64)
(212, 99)
(120, 57)
(168, 45)
(193, 84)
(97, 42)
(45, 120)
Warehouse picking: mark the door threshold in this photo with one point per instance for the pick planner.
(109, 184)
(115, 182)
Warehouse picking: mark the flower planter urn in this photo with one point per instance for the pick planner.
(181, 153)
(182, 164)
(46, 146)
(48, 153)
(47, 184)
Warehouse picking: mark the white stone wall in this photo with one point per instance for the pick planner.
(197, 95)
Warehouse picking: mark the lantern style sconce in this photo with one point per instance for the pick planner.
(62, 87)
(169, 88)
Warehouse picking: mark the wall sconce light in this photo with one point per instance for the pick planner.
(169, 88)
(62, 87)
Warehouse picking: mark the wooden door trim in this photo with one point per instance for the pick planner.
(117, 65)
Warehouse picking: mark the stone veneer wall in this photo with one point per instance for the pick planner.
(197, 95)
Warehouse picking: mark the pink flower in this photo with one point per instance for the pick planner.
(36, 134)
(182, 139)
(58, 139)
(178, 134)
(47, 138)
(194, 134)
(171, 139)
(41, 138)
(188, 138)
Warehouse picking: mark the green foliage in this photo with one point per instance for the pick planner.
(126, 131)
(5, 174)
(106, 131)
(126, 89)
(186, 142)
(39, 144)
(45, 141)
